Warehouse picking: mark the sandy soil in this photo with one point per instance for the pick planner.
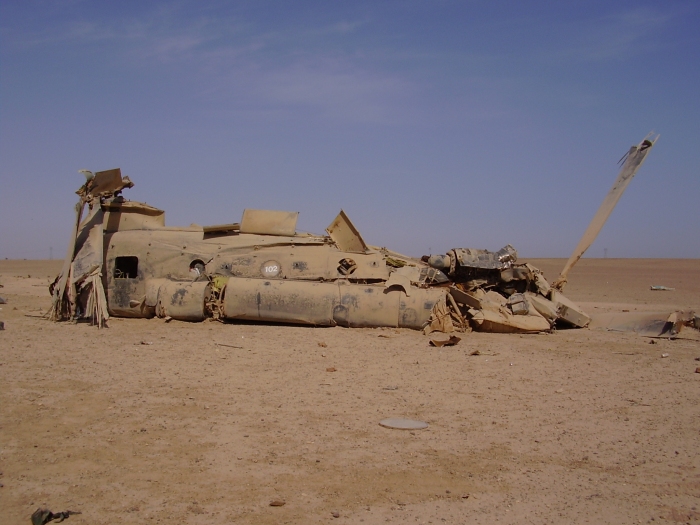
(154, 422)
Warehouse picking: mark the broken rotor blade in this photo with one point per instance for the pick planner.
(633, 160)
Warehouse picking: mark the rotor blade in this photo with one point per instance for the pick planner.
(58, 307)
(633, 161)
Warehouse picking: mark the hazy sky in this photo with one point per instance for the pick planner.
(433, 124)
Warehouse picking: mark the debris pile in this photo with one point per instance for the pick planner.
(491, 292)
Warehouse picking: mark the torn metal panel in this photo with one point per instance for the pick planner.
(84, 295)
(345, 235)
(89, 251)
(544, 306)
(403, 278)
(269, 222)
(502, 320)
(400, 281)
(682, 318)
(516, 273)
(518, 304)
(127, 215)
(103, 184)
(468, 299)
(440, 319)
(431, 276)
(108, 181)
(86, 269)
(491, 299)
(63, 302)
(96, 303)
(483, 259)
(543, 287)
(496, 315)
(568, 311)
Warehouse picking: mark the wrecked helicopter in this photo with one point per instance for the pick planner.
(123, 261)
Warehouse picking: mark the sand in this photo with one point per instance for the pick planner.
(155, 422)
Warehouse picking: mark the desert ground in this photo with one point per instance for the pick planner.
(154, 422)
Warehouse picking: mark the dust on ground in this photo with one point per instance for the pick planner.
(200, 423)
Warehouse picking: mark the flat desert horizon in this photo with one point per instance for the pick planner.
(149, 421)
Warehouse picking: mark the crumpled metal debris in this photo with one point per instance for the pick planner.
(440, 319)
(661, 288)
(78, 290)
(451, 341)
(43, 516)
(516, 300)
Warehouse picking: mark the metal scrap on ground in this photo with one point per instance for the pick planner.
(43, 516)
(403, 424)
(451, 341)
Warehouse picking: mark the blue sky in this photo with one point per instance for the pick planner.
(433, 124)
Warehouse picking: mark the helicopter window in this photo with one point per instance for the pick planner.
(126, 267)
(346, 266)
(197, 267)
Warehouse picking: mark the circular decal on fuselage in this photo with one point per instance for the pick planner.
(270, 269)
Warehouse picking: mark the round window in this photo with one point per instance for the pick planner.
(271, 269)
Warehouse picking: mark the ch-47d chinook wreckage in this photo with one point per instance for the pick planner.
(123, 261)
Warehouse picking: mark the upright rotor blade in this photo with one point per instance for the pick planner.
(633, 161)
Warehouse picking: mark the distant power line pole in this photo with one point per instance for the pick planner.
(51, 252)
